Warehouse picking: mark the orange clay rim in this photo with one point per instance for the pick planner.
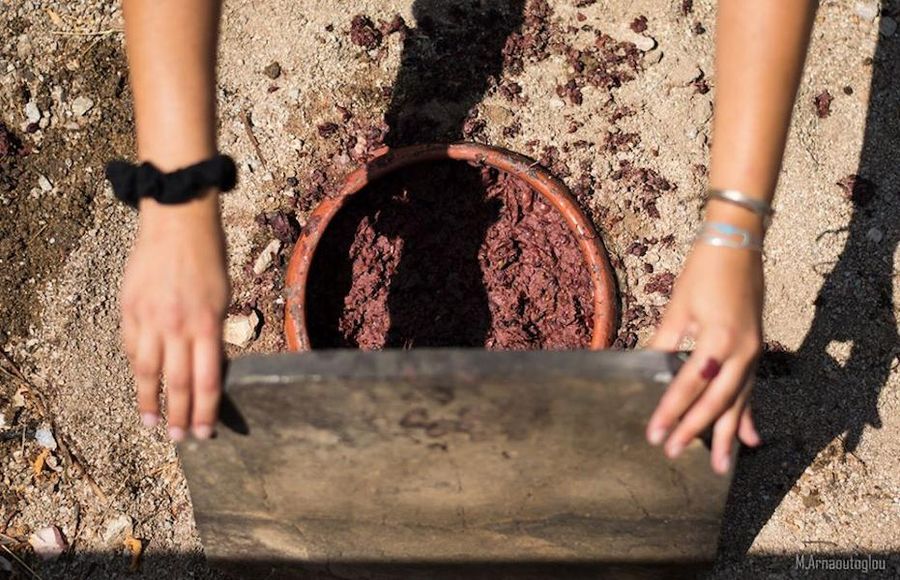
(389, 160)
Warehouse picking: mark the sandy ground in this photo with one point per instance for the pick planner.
(828, 401)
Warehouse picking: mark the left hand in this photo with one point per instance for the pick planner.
(717, 300)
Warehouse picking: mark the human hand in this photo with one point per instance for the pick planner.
(717, 300)
(173, 301)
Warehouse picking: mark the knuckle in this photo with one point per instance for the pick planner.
(172, 318)
(682, 389)
(664, 414)
(207, 323)
(720, 407)
(144, 369)
(144, 310)
(207, 387)
(177, 382)
(147, 401)
(716, 402)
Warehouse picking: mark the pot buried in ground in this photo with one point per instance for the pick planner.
(389, 161)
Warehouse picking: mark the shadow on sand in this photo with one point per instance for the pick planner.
(805, 400)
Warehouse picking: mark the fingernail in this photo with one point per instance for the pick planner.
(203, 431)
(150, 420)
(674, 450)
(657, 434)
(176, 433)
(710, 369)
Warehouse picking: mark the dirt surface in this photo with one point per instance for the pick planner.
(39, 191)
(616, 106)
(447, 254)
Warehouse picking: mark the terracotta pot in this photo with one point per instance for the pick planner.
(387, 161)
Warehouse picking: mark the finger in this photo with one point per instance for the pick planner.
(177, 367)
(721, 394)
(146, 366)
(207, 385)
(747, 430)
(723, 437)
(671, 330)
(694, 376)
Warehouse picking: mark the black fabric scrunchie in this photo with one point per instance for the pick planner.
(132, 182)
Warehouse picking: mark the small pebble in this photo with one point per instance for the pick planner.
(642, 42)
(44, 437)
(266, 257)
(639, 24)
(240, 329)
(47, 542)
(822, 104)
(81, 105)
(887, 26)
(53, 463)
(684, 73)
(117, 529)
(812, 500)
(44, 183)
(32, 113)
(273, 70)
(874, 235)
(867, 10)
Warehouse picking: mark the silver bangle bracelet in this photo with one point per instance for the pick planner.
(739, 198)
(724, 235)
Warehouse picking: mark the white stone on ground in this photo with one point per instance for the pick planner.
(867, 10)
(117, 529)
(44, 437)
(266, 257)
(32, 113)
(240, 329)
(47, 542)
(81, 105)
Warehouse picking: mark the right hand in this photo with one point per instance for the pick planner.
(173, 300)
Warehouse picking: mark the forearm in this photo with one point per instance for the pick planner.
(171, 46)
(760, 50)
(175, 289)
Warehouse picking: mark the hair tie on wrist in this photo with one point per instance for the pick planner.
(132, 182)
